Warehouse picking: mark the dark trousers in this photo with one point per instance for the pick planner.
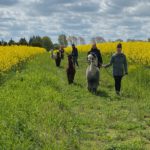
(58, 61)
(75, 61)
(118, 83)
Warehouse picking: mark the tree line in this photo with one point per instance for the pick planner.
(46, 42)
(35, 41)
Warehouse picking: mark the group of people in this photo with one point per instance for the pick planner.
(118, 61)
(60, 54)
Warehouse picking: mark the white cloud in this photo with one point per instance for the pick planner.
(111, 19)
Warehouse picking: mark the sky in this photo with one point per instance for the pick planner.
(111, 19)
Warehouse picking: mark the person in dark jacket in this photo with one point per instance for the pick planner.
(75, 55)
(61, 50)
(58, 59)
(97, 52)
(120, 68)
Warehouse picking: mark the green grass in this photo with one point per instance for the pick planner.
(39, 110)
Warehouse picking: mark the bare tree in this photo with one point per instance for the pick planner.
(93, 40)
(69, 39)
(75, 40)
(130, 40)
(81, 40)
(97, 39)
(119, 40)
(72, 40)
(100, 39)
(62, 40)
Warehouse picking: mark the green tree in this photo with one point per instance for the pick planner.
(47, 43)
(56, 46)
(4, 43)
(23, 41)
(62, 40)
(11, 42)
(35, 41)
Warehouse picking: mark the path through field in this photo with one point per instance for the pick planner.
(39, 110)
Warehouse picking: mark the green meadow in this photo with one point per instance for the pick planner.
(40, 111)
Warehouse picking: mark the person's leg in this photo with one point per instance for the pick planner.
(59, 62)
(117, 86)
(119, 82)
(115, 78)
(62, 55)
(77, 62)
(98, 65)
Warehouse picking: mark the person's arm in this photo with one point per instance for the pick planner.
(77, 52)
(87, 55)
(125, 65)
(100, 58)
(100, 61)
(111, 62)
(89, 52)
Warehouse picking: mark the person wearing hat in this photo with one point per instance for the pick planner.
(75, 55)
(97, 52)
(120, 68)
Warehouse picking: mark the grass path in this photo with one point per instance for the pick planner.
(39, 110)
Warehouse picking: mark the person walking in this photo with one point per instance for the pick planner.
(120, 68)
(97, 52)
(75, 55)
(61, 50)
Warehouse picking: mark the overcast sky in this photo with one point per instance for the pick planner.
(111, 19)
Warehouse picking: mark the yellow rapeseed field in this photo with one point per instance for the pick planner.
(137, 52)
(12, 55)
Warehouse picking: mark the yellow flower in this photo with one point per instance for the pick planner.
(137, 52)
(12, 55)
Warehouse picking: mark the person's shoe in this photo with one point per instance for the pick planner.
(117, 92)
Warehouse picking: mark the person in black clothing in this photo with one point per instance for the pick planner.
(58, 59)
(75, 55)
(97, 52)
(61, 50)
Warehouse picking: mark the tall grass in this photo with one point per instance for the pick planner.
(39, 110)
